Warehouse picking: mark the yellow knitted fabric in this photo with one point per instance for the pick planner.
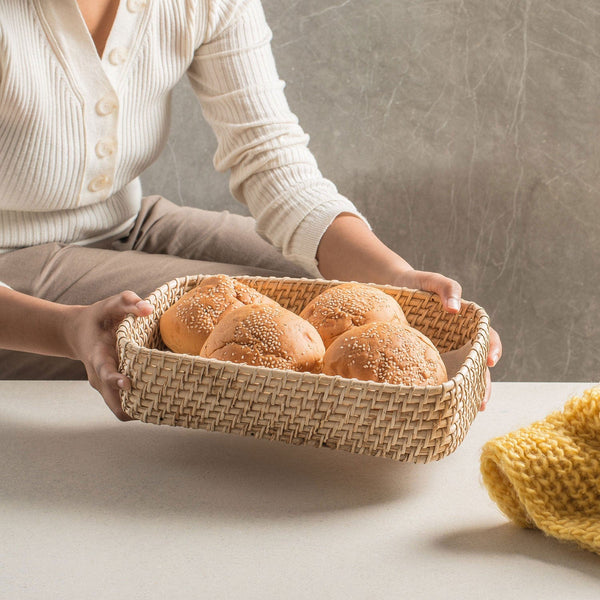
(547, 475)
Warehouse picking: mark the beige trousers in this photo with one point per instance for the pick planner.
(167, 241)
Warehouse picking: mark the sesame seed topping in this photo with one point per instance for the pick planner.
(266, 335)
(386, 352)
(347, 305)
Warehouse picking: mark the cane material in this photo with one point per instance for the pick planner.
(416, 424)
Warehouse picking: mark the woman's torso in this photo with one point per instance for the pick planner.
(77, 128)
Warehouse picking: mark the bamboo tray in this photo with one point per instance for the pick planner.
(416, 424)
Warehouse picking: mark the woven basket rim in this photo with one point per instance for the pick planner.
(481, 337)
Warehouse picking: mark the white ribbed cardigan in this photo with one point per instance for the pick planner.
(76, 130)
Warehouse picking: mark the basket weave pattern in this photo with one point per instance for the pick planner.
(416, 424)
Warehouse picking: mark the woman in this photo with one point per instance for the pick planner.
(85, 88)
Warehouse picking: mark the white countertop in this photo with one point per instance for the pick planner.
(94, 508)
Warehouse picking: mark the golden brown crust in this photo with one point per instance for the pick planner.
(385, 352)
(347, 305)
(185, 326)
(268, 336)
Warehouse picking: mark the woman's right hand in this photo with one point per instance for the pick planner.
(91, 334)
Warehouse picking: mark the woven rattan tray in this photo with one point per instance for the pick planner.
(416, 424)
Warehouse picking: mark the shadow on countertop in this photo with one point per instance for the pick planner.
(509, 539)
(155, 472)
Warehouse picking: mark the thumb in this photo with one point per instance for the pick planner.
(120, 305)
(449, 290)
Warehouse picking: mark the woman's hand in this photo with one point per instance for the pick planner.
(350, 251)
(91, 334)
(85, 333)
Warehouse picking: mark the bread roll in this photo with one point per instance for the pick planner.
(268, 336)
(385, 352)
(347, 305)
(185, 326)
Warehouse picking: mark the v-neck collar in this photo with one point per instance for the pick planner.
(107, 42)
(72, 39)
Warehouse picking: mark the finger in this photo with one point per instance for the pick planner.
(495, 352)
(110, 387)
(449, 291)
(120, 305)
(112, 384)
(108, 375)
(488, 390)
(109, 390)
(105, 366)
(130, 302)
(110, 393)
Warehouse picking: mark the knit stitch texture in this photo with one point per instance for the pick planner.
(547, 475)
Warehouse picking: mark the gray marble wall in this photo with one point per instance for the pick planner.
(467, 131)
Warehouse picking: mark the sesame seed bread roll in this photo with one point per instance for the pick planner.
(347, 305)
(268, 336)
(185, 325)
(385, 352)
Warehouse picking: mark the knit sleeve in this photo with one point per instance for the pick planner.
(272, 171)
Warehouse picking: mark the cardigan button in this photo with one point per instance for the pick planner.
(136, 5)
(117, 56)
(105, 147)
(99, 183)
(106, 106)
